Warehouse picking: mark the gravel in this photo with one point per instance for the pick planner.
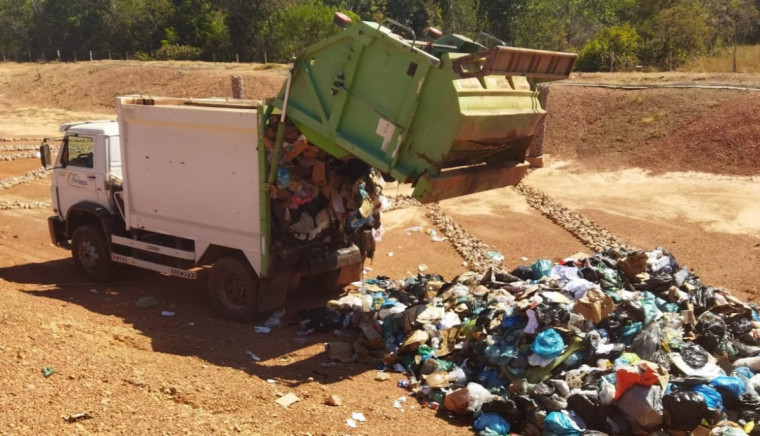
(8, 205)
(30, 176)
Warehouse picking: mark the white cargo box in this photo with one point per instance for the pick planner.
(190, 169)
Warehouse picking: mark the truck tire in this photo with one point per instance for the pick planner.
(90, 252)
(234, 289)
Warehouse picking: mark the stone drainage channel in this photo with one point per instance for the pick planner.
(29, 177)
(476, 253)
(23, 152)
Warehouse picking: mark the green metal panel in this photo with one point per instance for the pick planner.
(265, 203)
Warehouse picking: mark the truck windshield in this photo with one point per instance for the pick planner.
(79, 151)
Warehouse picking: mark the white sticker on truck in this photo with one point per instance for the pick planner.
(385, 129)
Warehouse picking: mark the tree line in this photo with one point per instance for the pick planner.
(607, 34)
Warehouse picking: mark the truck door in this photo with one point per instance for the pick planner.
(80, 176)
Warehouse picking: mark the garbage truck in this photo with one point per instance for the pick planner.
(262, 197)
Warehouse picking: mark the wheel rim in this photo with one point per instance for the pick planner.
(88, 255)
(234, 291)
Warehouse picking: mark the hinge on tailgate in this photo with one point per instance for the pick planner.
(513, 61)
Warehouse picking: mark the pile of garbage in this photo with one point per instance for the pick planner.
(319, 198)
(621, 342)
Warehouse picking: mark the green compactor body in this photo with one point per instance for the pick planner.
(449, 115)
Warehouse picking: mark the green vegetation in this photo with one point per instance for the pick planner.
(608, 34)
(747, 60)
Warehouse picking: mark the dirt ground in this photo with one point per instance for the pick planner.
(660, 167)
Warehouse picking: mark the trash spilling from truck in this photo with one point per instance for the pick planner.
(274, 195)
(620, 342)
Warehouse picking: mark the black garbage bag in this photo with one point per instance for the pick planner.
(694, 355)
(523, 272)
(689, 381)
(552, 315)
(547, 397)
(486, 318)
(739, 324)
(684, 410)
(592, 342)
(525, 407)
(745, 350)
(590, 409)
(750, 339)
(504, 407)
(590, 273)
(625, 313)
(661, 358)
(647, 342)
(633, 309)
(656, 284)
(404, 297)
(617, 423)
(320, 319)
(417, 285)
(711, 329)
(506, 278)
(703, 298)
(748, 407)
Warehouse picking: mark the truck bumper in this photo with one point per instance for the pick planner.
(57, 229)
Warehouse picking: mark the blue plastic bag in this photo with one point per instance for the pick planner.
(541, 268)
(712, 397)
(283, 177)
(489, 378)
(734, 385)
(742, 371)
(562, 424)
(548, 344)
(630, 330)
(500, 354)
(493, 422)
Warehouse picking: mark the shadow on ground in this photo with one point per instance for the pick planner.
(194, 329)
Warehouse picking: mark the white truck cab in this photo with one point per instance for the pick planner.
(89, 153)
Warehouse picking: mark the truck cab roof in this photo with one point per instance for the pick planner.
(99, 127)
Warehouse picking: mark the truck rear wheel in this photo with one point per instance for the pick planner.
(90, 252)
(234, 289)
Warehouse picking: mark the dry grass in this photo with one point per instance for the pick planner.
(747, 61)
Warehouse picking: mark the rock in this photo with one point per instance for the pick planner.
(333, 400)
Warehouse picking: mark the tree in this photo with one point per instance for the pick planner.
(732, 21)
(612, 48)
(417, 14)
(498, 17)
(296, 27)
(217, 40)
(675, 35)
(15, 19)
(565, 25)
(138, 24)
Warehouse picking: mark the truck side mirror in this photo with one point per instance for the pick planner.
(45, 156)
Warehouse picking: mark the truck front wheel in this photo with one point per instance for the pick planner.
(90, 252)
(234, 289)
